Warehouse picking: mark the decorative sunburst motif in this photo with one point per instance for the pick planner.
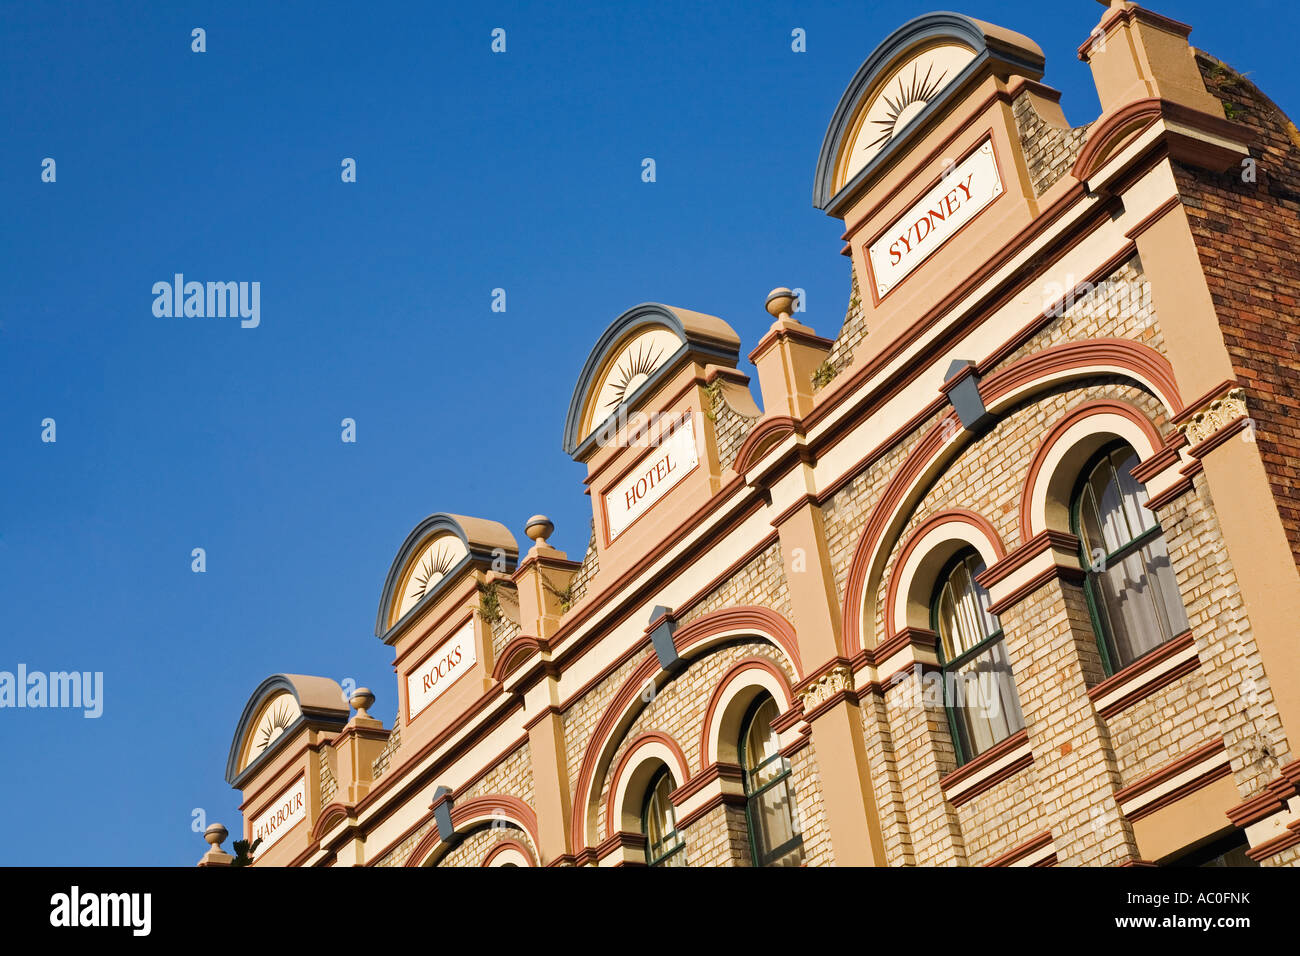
(628, 367)
(277, 718)
(432, 568)
(631, 371)
(904, 103)
(436, 557)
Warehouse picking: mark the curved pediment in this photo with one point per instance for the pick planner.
(277, 709)
(632, 356)
(908, 78)
(433, 555)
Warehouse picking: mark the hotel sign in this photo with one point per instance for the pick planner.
(440, 670)
(954, 201)
(284, 813)
(655, 476)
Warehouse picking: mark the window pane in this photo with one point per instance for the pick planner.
(772, 818)
(770, 809)
(1135, 596)
(961, 616)
(1110, 509)
(1142, 602)
(989, 625)
(947, 615)
(662, 838)
(760, 741)
(982, 699)
(968, 613)
(1134, 496)
(1090, 528)
(1162, 575)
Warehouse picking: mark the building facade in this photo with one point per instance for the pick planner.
(1004, 574)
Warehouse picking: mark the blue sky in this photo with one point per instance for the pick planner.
(475, 171)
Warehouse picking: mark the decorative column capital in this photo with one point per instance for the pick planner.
(1215, 416)
(837, 680)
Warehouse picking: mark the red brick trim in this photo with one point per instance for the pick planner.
(722, 799)
(1169, 495)
(1134, 672)
(1135, 118)
(1272, 799)
(1055, 573)
(1234, 427)
(616, 841)
(514, 654)
(799, 744)
(767, 433)
(762, 622)
(981, 763)
(915, 636)
(1022, 850)
(825, 706)
(1276, 845)
(504, 845)
(808, 500)
(804, 336)
(1173, 768)
(510, 807)
(683, 768)
(1204, 780)
(1139, 361)
(549, 710)
(328, 819)
(735, 673)
(783, 722)
(1045, 541)
(1081, 413)
(714, 771)
(1166, 207)
(950, 516)
(1167, 456)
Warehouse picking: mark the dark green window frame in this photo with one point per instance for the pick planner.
(1111, 659)
(962, 746)
(665, 850)
(754, 794)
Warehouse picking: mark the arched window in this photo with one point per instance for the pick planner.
(774, 834)
(979, 690)
(1131, 588)
(664, 844)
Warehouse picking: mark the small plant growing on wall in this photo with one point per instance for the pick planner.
(823, 375)
(564, 596)
(714, 391)
(244, 852)
(489, 603)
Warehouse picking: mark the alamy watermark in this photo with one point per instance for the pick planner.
(978, 690)
(1059, 298)
(63, 689)
(212, 300)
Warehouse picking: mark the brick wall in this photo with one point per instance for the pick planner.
(719, 838)
(474, 848)
(1002, 817)
(1156, 730)
(398, 854)
(512, 775)
(589, 568)
(1049, 151)
(760, 582)
(730, 426)
(1247, 233)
